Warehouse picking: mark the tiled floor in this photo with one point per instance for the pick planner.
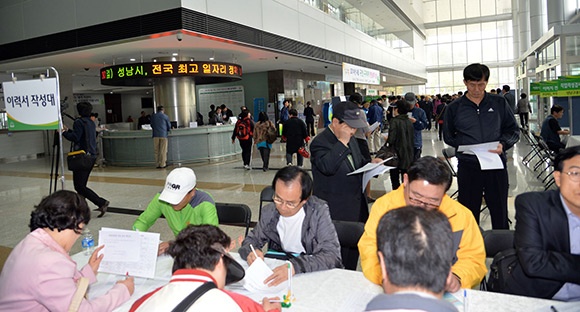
(23, 184)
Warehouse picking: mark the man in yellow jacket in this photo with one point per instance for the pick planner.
(424, 185)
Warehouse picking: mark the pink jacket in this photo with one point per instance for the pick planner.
(39, 275)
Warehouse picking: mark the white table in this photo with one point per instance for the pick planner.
(331, 290)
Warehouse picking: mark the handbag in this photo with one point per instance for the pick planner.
(271, 134)
(500, 271)
(303, 151)
(389, 151)
(79, 160)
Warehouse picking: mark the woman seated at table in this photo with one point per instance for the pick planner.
(39, 274)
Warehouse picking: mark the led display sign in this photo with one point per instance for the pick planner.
(143, 74)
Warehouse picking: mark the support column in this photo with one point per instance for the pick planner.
(555, 13)
(516, 29)
(524, 25)
(536, 20)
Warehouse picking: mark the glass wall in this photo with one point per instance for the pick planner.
(458, 36)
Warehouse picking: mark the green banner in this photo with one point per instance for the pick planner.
(563, 87)
(534, 88)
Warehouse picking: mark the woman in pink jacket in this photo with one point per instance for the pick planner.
(39, 274)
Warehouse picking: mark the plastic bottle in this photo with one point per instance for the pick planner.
(87, 242)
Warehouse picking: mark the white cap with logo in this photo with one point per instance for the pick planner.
(177, 184)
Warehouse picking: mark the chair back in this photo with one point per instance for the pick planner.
(349, 233)
(234, 215)
(497, 240)
(449, 153)
(265, 196)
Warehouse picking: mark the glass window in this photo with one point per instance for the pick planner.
(505, 28)
(503, 6)
(446, 79)
(493, 79)
(487, 8)
(459, 52)
(433, 79)
(474, 52)
(489, 50)
(443, 10)
(429, 12)
(431, 36)
(458, 33)
(457, 9)
(505, 49)
(488, 30)
(445, 56)
(444, 34)
(458, 80)
(572, 44)
(473, 31)
(432, 58)
(472, 8)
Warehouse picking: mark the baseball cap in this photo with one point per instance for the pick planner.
(177, 184)
(235, 271)
(410, 98)
(348, 112)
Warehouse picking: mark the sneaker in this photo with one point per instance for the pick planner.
(247, 167)
(265, 169)
(103, 209)
(289, 164)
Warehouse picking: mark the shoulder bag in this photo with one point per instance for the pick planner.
(80, 160)
(389, 151)
(271, 133)
(192, 298)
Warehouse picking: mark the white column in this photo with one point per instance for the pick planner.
(537, 20)
(555, 13)
(524, 25)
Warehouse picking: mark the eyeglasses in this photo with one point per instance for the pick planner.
(418, 202)
(278, 201)
(574, 175)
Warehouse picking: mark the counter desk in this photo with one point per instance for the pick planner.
(185, 145)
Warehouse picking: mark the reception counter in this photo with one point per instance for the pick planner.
(135, 148)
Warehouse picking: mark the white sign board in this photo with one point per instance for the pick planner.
(353, 73)
(32, 104)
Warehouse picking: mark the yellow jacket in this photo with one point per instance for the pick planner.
(469, 258)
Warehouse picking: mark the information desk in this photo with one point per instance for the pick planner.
(331, 290)
(186, 145)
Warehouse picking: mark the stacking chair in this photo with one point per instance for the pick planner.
(265, 196)
(449, 153)
(496, 241)
(234, 215)
(349, 233)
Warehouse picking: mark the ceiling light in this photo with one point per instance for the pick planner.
(175, 54)
(132, 59)
(212, 58)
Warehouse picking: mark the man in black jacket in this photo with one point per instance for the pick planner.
(547, 237)
(478, 118)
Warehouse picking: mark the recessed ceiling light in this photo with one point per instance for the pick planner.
(175, 54)
(132, 59)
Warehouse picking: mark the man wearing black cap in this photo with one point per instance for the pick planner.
(334, 154)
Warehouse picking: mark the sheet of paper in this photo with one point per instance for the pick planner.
(146, 243)
(120, 245)
(374, 126)
(487, 160)
(370, 170)
(253, 283)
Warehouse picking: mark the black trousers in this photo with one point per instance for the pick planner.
(310, 128)
(492, 184)
(246, 146)
(80, 180)
(265, 154)
(524, 117)
(395, 174)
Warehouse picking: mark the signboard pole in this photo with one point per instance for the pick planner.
(26, 94)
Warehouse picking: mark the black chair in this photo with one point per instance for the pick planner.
(234, 215)
(448, 154)
(494, 242)
(349, 233)
(265, 196)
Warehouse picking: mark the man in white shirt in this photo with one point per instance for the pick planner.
(297, 227)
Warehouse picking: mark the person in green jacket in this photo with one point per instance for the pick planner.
(180, 203)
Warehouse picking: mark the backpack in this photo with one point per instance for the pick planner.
(271, 134)
(242, 130)
(501, 269)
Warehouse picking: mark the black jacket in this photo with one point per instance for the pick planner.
(466, 123)
(330, 166)
(542, 241)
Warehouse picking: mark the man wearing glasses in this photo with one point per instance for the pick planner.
(424, 185)
(547, 237)
(297, 227)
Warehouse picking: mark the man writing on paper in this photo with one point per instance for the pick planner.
(424, 185)
(180, 203)
(297, 225)
(415, 250)
(475, 118)
(200, 259)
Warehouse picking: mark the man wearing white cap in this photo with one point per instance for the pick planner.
(180, 203)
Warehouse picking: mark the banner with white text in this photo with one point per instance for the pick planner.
(32, 104)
